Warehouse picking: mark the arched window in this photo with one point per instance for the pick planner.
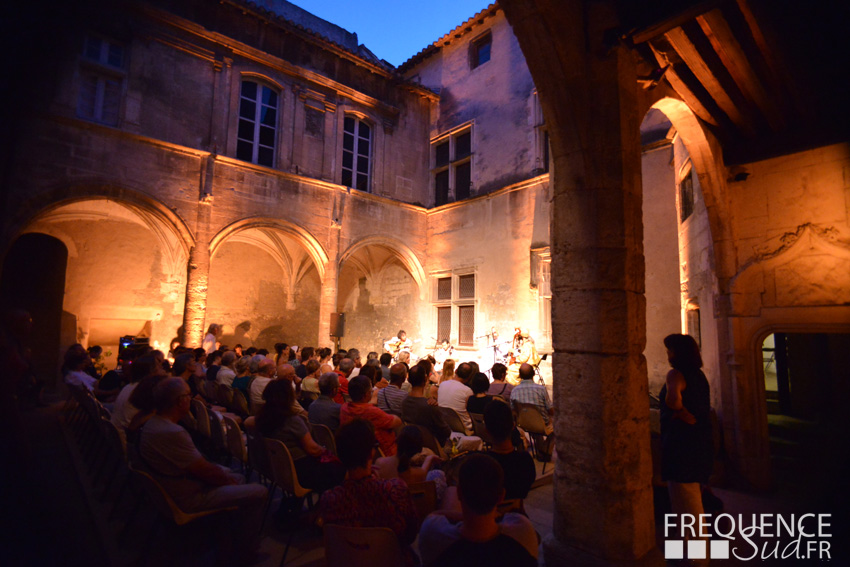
(356, 153)
(255, 139)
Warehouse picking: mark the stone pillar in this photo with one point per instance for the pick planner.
(588, 89)
(330, 286)
(198, 269)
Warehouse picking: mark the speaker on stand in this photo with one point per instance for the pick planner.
(337, 327)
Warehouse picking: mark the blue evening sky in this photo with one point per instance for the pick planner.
(395, 30)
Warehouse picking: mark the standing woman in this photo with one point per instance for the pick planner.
(686, 435)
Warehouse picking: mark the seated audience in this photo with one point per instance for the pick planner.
(364, 500)
(454, 393)
(227, 372)
(276, 420)
(324, 410)
(213, 364)
(410, 464)
(391, 397)
(517, 466)
(360, 390)
(76, 362)
(474, 537)
(415, 408)
(531, 394)
(384, 361)
(193, 482)
(346, 366)
(479, 398)
(265, 372)
(123, 410)
(243, 377)
(499, 387)
(310, 383)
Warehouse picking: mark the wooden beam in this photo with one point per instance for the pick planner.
(717, 30)
(676, 20)
(688, 96)
(683, 45)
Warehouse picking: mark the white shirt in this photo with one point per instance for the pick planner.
(124, 411)
(258, 386)
(209, 343)
(225, 376)
(453, 394)
(81, 379)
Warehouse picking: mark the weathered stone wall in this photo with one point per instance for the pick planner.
(497, 95)
(661, 249)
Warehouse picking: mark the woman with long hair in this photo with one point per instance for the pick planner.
(409, 464)
(687, 448)
(278, 420)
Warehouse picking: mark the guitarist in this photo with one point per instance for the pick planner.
(400, 343)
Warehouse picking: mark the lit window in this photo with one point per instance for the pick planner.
(455, 308)
(356, 153)
(481, 50)
(255, 138)
(101, 81)
(452, 167)
(686, 196)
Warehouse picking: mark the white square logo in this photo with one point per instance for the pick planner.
(720, 549)
(696, 549)
(674, 549)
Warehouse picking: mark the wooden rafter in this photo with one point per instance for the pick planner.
(687, 94)
(727, 47)
(691, 56)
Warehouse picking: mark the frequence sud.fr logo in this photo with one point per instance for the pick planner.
(747, 537)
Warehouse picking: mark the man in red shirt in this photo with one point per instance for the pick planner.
(346, 365)
(360, 391)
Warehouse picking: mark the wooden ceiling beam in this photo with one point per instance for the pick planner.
(690, 55)
(729, 50)
(681, 87)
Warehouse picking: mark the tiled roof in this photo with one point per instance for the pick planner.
(449, 37)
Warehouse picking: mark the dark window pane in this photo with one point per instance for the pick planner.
(365, 131)
(269, 97)
(348, 142)
(88, 96)
(441, 154)
(363, 147)
(92, 48)
(267, 136)
(444, 289)
(346, 177)
(362, 182)
(686, 197)
(347, 160)
(466, 326)
(363, 164)
(462, 178)
(111, 102)
(349, 124)
(483, 52)
(116, 55)
(244, 150)
(248, 109)
(466, 286)
(441, 188)
(463, 145)
(444, 323)
(268, 116)
(249, 90)
(246, 130)
(546, 151)
(265, 156)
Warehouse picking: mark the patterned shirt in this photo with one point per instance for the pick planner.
(383, 422)
(372, 503)
(527, 392)
(390, 399)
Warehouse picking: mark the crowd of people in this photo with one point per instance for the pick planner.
(384, 418)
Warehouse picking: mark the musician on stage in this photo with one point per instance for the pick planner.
(400, 343)
(441, 353)
(523, 350)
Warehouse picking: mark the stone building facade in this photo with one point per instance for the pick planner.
(255, 166)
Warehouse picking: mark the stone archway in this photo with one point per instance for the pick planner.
(126, 272)
(264, 285)
(381, 288)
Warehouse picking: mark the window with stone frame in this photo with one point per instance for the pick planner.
(452, 171)
(686, 194)
(102, 75)
(256, 137)
(480, 50)
(356, 152)
(455, 303)
(541, 138)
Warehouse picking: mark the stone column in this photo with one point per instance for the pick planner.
(198, 269)
(588, 88)
(330, 286)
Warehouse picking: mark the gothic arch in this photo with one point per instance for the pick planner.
(311, 245)
(400, 250)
